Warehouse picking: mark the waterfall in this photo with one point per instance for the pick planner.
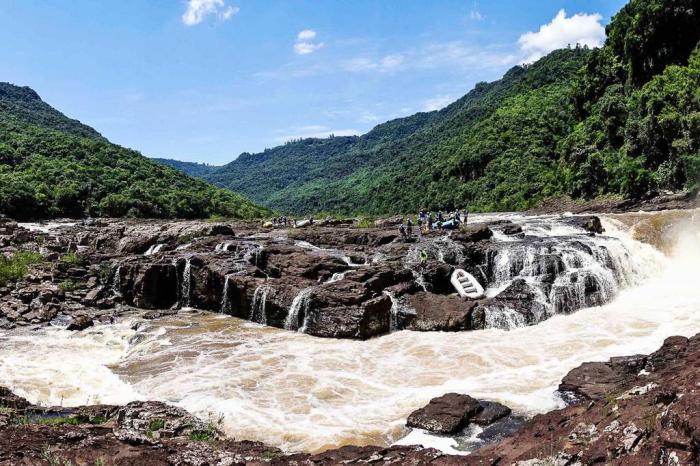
(257, 309)
(301, 302)
(398, 306)
(565, 269)
(504, 318)
(223, 247)
(186, 283)
(225, 304)
(155, 248)
(117, 283)
(337, 277)
(252, 255)
(349, 261)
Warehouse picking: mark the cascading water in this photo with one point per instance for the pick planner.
(223, 247)
(398, 306)
(186, 283)
(300, 303)
(257, 310)
(225, 307)
(336, 277)
(154, 249)
(565, 269)
(117, 282)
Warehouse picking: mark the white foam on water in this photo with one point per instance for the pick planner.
(303, 393)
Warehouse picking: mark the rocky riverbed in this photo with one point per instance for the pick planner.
(171, 294)
(330, 279)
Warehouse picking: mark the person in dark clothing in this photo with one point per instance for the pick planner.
(430, 221)
(402, 231)
(409, 228)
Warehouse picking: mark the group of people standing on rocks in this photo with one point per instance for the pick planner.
(428, 221)
(283, 221)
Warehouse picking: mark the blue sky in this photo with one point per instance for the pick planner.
(204, 80)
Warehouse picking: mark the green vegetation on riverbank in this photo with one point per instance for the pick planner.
(16, 266)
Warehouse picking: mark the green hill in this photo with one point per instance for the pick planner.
(620, 120)
(53, 166)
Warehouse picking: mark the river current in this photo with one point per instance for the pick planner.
(302, 393)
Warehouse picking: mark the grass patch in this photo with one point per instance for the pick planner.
(16, 266)
(365, 222)
(70, 285)
(202, 435)
(70, 258)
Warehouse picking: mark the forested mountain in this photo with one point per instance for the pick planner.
(623, 119)
(53, 166)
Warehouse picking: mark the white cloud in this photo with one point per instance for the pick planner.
(311, 131)
(306, 34)
(197, 10)
(305, 44)
(581, 28)
(437, 102)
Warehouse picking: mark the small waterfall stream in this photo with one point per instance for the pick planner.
(257, 310)
(225, 307)
(186, 283)
(117, 282)
(300, 303)
(154, 249)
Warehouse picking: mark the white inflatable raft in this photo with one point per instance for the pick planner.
(466, 285)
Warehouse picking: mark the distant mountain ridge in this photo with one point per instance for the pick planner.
(52, 165)
(620, 120)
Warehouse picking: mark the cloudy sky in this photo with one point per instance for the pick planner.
(204, 80)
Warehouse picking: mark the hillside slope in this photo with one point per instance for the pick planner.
(621, 120)
(53, 166)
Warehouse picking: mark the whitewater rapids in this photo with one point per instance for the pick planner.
(302, 393)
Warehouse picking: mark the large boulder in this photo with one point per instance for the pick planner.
(594, 380)
(446, 414)
(80, 323)
(345, 309)
(590, 223)
(435, 312)
(491, 411)
(472, 233)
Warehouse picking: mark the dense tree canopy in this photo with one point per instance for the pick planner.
(623, 119)
(53, 166)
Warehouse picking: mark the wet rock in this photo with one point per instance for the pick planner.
(517, 299)
(80, 323)
(155, 286)
(593, 380)
(491, 412)
(590, 223)
(512, 229)
(446, 414)
(148, 421)
(358, 321)
(435, 312)
(436, 277)
(472, 233)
